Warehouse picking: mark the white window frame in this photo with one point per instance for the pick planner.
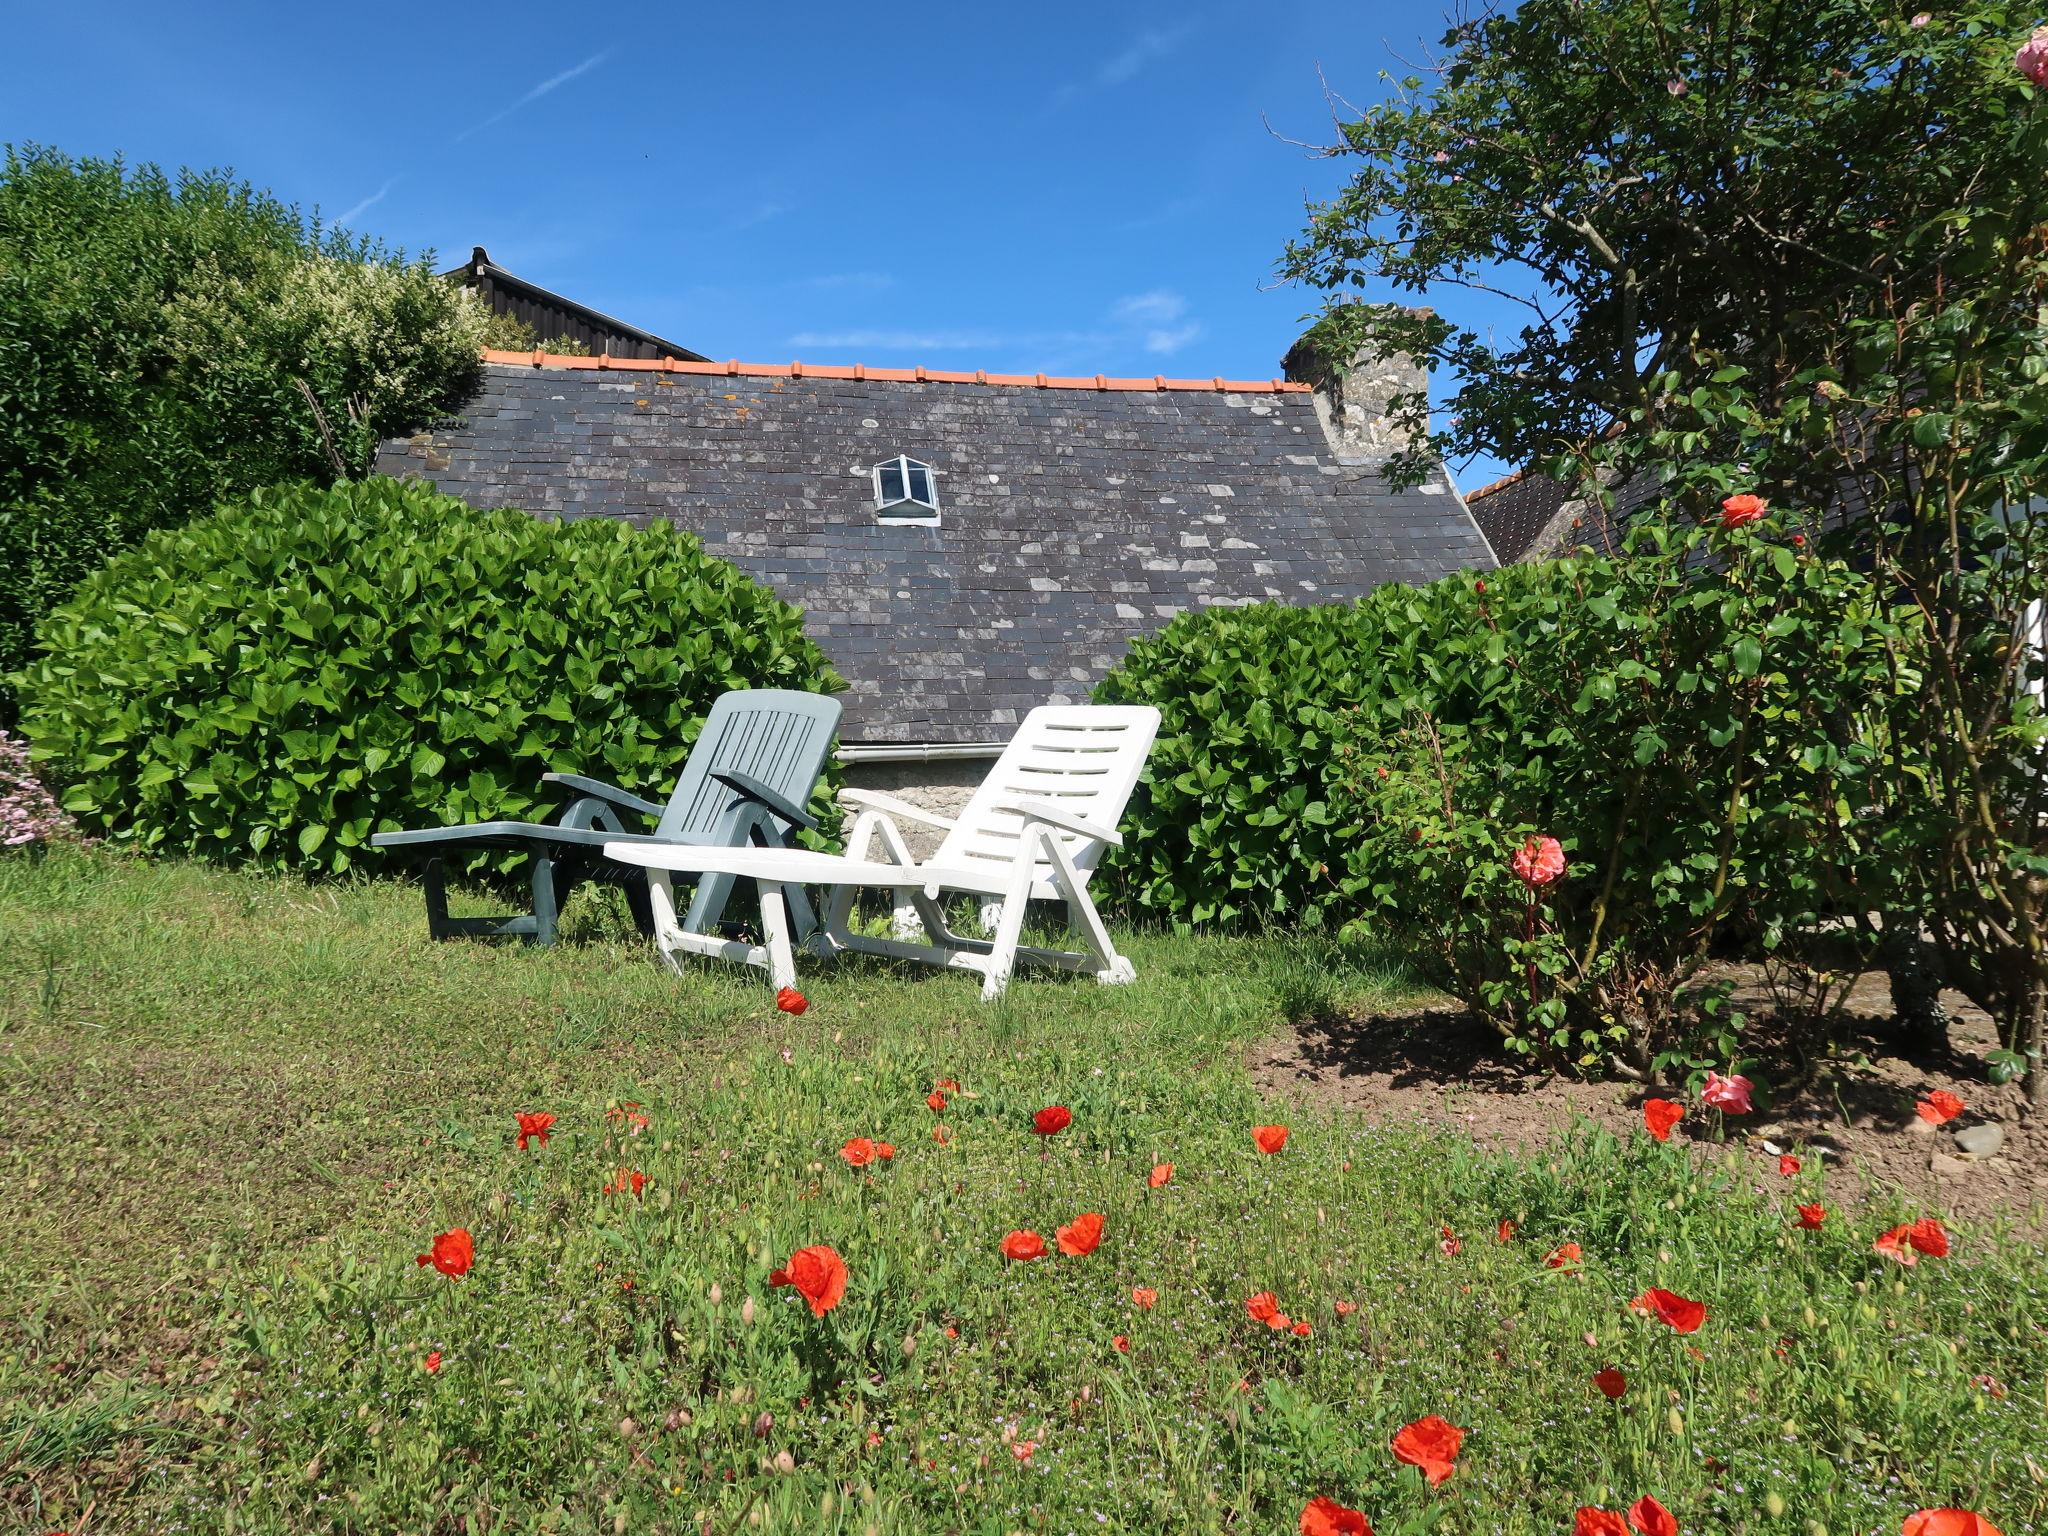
(928, 511)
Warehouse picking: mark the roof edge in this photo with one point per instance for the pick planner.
(857, 371)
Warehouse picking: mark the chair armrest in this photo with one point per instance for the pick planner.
(1066, 821)
(889, 805)
(761, 794)
(598, 790)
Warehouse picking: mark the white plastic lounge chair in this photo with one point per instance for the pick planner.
(1034, 830)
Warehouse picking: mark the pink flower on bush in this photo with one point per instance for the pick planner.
(1676, 87)
(1539, 861)
(28, 814)
(2032, 58)
(1728, 1094)
(1920, 20)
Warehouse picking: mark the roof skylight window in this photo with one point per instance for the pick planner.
(906, 490)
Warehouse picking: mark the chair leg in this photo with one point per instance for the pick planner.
(436, 883)
(775, 936)
(546, 909)
(1002, 955)
(708, 905)
(1082, 918)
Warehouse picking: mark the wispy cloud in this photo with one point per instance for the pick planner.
(367, 203)
(1157, 307)
(1144, 50)
(553, 82)
(1167, 340)
(866, 282)
(760, 213)
(1155, 321)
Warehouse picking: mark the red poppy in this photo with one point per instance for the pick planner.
(1598, 1522)
(534, 1127)
(789, 1000)
(1538, 861)
(1729, 1094)
(1893, 1245)
(1563, 1256)
(947, 1085)
(819, 1275)
(1787, 1165)
(1811, 1216)
(1326, 1517)
(1737, 510)
(1610, 1382)
(1659, 1115)
(885, 1150)
(1269, 1138)
(1023, 1245)
(1051, 1120)
(1263, 1306)
(1123, 1343)
(1447, 1240)
(1302, 1328)
(1160, 1173)
(1683, 1316)
(1430, 1443)
(625, 1179)
(432, 1363)
(1081, 1236)
(1929, 1236)
(1023, 1448)
(1346, 1308)
(1505, 1232)
(1279, 1322)
(1144, 1296)
(452, 1254)
(935, 1101)
(1939, 1107)
(1947, 1522)
(942, 1135)
(858, 1152)
(1652, 1518)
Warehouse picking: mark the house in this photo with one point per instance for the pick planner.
(554, 318)
(966, 545)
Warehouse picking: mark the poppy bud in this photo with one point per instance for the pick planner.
(763, 1424)
(677, 1419)
(747, 1312)
(909, 1345)
(784, 1462)
(1815, 1528)
(627, 1428)
(1774, 1503)
(1675, 1420)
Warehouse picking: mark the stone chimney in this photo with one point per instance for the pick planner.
(1351, 401)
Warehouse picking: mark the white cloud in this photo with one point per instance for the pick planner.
(366, 204)
(1168, 341)
(547, 85)
(1147, 48)
(1159, 307)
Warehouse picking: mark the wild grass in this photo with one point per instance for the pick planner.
(239, 1107)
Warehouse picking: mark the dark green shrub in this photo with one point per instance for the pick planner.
(154, 337)
(273, 683)
(1696, 734)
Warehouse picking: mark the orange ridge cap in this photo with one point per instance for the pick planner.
(919, 375)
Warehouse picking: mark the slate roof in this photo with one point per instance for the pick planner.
(1512, 511)
(1076, 514)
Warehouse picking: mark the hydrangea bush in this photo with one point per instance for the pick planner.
(28, 812)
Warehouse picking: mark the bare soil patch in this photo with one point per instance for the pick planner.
(1853, 1108)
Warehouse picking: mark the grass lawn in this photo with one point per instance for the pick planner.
(237, 1108)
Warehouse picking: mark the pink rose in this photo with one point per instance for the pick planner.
(1920, 20)
(1539, 861)
(1745, 508)
(1727, 1094)
(2032, 58)
(1676, 87)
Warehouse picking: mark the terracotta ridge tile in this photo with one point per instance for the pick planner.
(733, 368)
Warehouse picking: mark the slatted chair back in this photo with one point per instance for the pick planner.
(778, 735)
(1083, 758)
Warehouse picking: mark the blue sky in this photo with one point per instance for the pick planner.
(1056, 187)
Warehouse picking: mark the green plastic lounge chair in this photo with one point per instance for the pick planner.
(748, 780)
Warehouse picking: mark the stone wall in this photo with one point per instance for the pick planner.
(943, 787)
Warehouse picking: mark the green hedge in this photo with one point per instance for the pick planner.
(275, 682)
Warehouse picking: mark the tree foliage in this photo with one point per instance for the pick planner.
(163, 342)
(1795, 249)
